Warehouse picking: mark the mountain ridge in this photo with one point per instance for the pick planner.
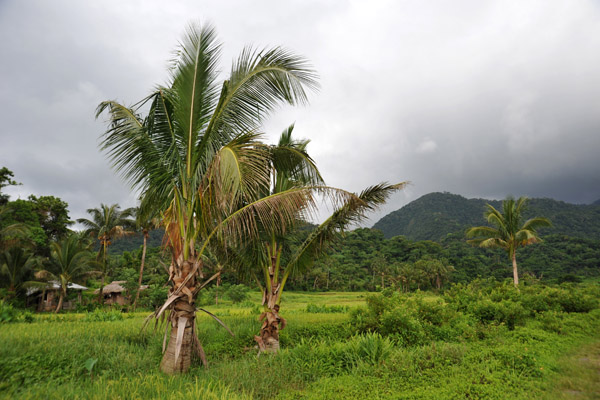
(435, 215)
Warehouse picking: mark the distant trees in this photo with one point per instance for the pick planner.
(107, 223)
(508, 231)
(425, 273)
(6, 176)
(144, 223)
(70, 261)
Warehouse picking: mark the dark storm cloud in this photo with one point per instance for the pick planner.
(484, 99)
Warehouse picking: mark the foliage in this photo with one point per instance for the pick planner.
(53, 216)
(325, 309)
(324, 356)
(508, 231)
(6, 176)
(237, 293)
(10, 314)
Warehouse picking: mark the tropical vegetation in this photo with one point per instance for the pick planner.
(508, 230)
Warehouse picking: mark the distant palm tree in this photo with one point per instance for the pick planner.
(145, 224)
(508, 232)
(107, 223)
(16, 263)
(70, 261)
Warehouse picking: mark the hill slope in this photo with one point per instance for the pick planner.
(435, 215)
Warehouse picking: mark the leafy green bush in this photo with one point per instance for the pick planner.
(10, 314)
(403, 325)
(325, 309)
(237, 293)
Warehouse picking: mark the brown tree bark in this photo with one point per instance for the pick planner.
(173, 363)
(137, 294)
(60, 303)
(100, 294)
(183, 341)
(268, 341)
(515, 272)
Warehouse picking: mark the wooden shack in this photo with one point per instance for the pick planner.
(116, 293)
(47, 298)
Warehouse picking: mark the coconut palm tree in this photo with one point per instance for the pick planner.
(276, 273)
(107, 224)
(144, 223)
(16, 265)
(292, 168)
(508, 231)
(70, 261)
(196, 159)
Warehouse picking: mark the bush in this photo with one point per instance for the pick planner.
(10, 314)
(324, 309)
(506, 311)
(403, 325)
(237, 293)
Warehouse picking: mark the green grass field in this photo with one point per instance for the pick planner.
(323, 357)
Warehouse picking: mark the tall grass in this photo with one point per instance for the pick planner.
(323, 356)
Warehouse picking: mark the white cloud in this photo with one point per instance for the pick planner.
(427, 146)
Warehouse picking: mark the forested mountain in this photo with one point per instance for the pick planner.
(435, 215)
(134, 242)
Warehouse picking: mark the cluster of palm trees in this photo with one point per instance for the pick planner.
(198, 160)
(71, 257)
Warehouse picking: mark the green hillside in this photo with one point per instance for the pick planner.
(435, 215)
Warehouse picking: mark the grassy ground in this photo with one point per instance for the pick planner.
(322, 358)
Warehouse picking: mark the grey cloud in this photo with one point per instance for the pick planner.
(479, 98)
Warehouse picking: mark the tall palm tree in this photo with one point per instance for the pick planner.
(196, 159)
(508, 231)
(70, 260)
(144, 223)
(292, 168)
(107, 224)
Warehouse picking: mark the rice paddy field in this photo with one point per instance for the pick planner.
(326, 353)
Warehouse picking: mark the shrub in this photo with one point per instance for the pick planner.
(324, 309)
(10, 314)
(403, 325)
(237, 293)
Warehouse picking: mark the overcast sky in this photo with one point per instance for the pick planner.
(479, 98)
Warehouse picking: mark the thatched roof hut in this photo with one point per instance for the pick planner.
(115, 292)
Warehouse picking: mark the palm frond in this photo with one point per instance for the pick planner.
(351, 212)
(260, 81)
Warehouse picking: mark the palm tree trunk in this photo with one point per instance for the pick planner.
(182, 336)
(137, 294)
(60, 303)
(183, 341)
(268, 341)
(217, 291)
(100, 294)
(515, 272)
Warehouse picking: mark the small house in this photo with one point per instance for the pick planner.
(47, 298)
(116, 293)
